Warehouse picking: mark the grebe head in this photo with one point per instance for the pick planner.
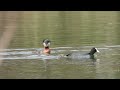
(46, 44)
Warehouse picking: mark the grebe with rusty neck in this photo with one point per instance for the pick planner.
(46, 44)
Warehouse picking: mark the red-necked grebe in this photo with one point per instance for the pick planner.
(46, 44)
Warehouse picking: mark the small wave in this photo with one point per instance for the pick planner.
(41, 57)
(113, 46)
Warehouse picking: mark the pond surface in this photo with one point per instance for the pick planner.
(21, 34)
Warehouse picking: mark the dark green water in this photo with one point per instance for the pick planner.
(69, 31)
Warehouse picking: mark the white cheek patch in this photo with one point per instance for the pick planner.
(97, 50)
(46, 45)
(49, 44)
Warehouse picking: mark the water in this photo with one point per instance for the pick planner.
(21, 33)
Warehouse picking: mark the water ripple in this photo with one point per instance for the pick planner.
(27, 53)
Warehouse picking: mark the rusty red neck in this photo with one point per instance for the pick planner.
(46, 50)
